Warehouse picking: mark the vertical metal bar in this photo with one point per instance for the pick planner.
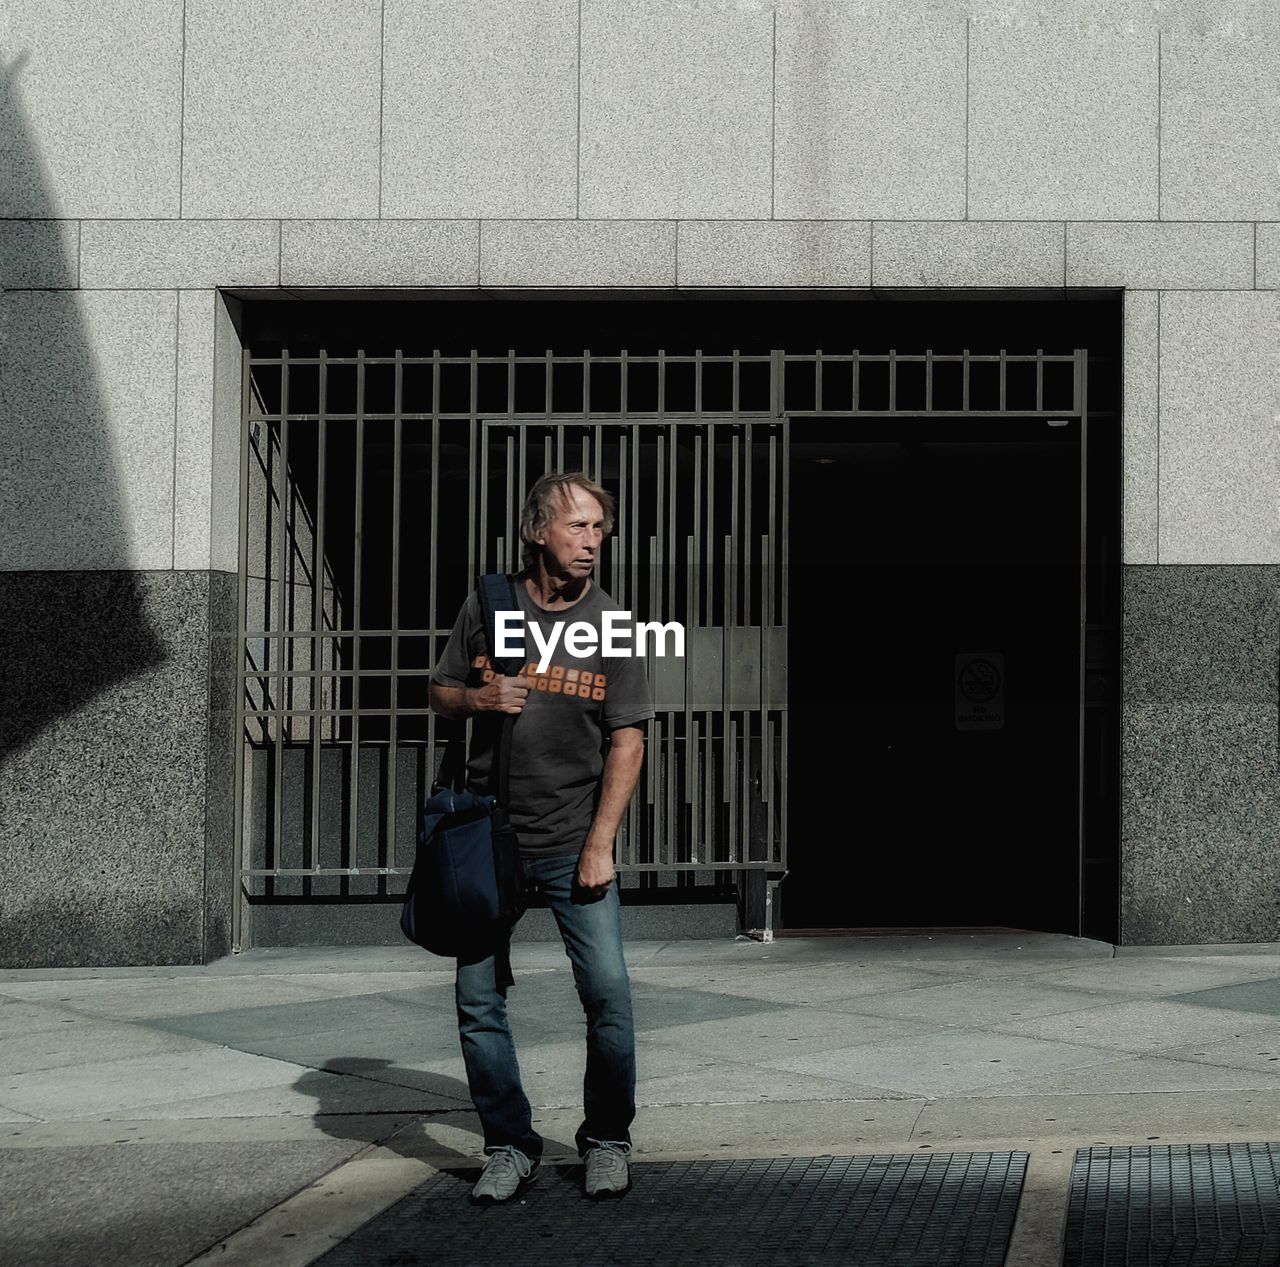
(672, 457)
(598, 459)
(964, 378)
(784, 567)
(711, 564)
(475, 526)
(433, 559)
(511, 381)
(551, 365)
(281, 481)
(747, 571)
(633, 532)
(586, 384)
(622, 577)
(857, 377)
(241, 656)
(481, 433)
(731, 608)
(928, 380)
(357, 620)
(729, 725)
(509, 537)
(695, 611)
(1081, 395)
(784, 556)
(396, 468)
(1039, 380)
(697, 381)
(650, 771)
(817, 380)
(690, 752)
(624, 389)
(766, 689)
(1003, 370)
(317, 613)
(893, 380)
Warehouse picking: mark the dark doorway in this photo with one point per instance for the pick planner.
(913, 804)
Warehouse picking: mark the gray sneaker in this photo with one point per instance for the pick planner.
(504, 1172)
(608, 1174)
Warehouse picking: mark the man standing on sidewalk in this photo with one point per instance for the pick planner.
(566, 800)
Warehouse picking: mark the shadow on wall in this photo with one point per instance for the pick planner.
(65, 638)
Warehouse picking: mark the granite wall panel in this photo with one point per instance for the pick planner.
(1219, 444)
(1140, 441)
(1200, 797)
(773, 253)
(90, 108)
(171, 254)
(480, 108)
(105, 768)
(39, 254)
(675, 110)
(1062, 117)
(87, 395)
(1220, 111)
(220, 785)
(282, 109)
(869, 113)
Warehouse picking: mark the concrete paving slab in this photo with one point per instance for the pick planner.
(1140, 1073)
(1101, 1119)
(1152, 977)
(113, 1087)
(12, 1115)
(728, 1082)
(656, 1009)
(1261, 996)
(976, 1003)
(404, 1045)
(1145, 1025)
(942, 1063)
(315, 1094)
(819, 983)
(1258, 1049)
(20, 1017)
(365, 1014)
(158, 997)
(138, 1204)
(283, 1128)
(782, 1033)
(84, 1039)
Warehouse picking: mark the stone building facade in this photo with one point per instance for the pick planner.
(165, 162)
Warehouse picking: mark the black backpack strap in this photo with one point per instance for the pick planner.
(498, 593)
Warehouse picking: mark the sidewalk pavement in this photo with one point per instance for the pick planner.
(261, 1108)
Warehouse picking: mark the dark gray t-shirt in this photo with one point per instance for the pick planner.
(557, 742)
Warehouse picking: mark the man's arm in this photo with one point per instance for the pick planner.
(502, 695)
(621, 770)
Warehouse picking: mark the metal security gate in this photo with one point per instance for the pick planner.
(375, 488)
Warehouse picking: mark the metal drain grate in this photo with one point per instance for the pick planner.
(952, 1209)
(1176, 1205)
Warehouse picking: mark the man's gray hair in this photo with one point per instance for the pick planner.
(547, 497)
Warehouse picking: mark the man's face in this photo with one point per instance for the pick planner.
(571, 541)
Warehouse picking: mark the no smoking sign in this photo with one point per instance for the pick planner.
(979, 690)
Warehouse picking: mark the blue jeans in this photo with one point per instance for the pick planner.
(592, 933)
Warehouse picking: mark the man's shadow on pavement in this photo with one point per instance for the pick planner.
(342, 1113)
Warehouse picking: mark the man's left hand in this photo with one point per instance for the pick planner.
(595, 871)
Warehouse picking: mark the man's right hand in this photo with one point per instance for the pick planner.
(502, 695)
